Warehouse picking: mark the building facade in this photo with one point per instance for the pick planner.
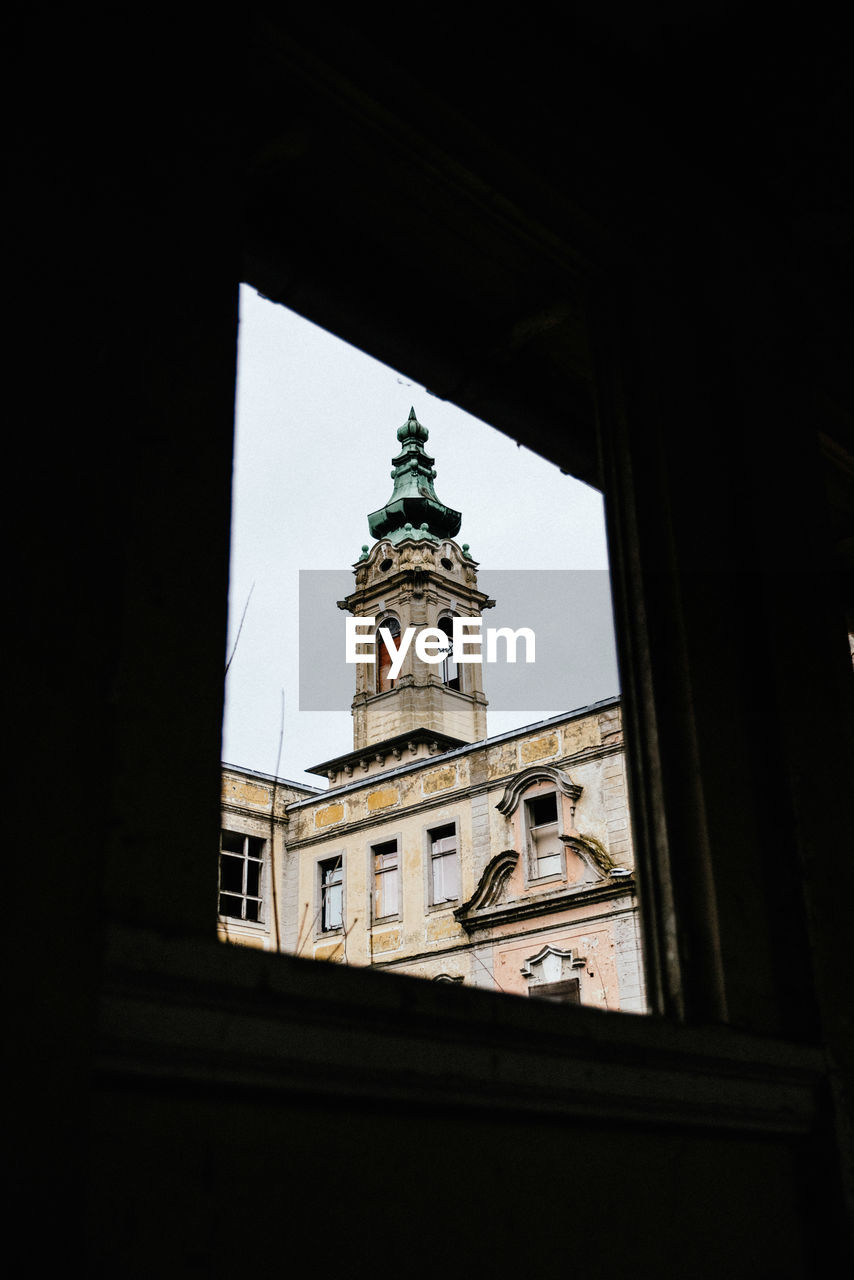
(435, 850)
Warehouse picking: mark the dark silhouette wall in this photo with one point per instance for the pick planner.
(625, 245)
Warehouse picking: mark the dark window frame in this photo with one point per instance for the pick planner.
(566, 991)
(249, 860)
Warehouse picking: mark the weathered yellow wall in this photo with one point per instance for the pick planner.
(403, 804)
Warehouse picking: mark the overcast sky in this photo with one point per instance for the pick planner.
(315, 434)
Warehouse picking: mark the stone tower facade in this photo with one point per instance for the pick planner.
(416, 576)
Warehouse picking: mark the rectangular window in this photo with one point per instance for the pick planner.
(331, 893)
(566, 992)
(546, 849)
(386, 879)
(241, 860)
(444, 864)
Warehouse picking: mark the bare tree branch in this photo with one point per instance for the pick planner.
(314, 921)
(239, 629)
(273, 814)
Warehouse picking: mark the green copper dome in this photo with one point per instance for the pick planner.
(413, 510)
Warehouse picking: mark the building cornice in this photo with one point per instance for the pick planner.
(600, 749)
(452, 795)
(490, 917)
(440, 744)
(539, 928)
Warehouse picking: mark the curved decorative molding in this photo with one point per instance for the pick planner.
(536, 773)
(575, 962)
(592, 853)
(494, 877)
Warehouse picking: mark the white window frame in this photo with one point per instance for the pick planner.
(339, 856)
(373, 853)
(430, 856)
(532, 861)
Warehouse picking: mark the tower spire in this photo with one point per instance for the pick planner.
(413, 510)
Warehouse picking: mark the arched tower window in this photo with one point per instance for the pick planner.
(449, 669)
(384, 657)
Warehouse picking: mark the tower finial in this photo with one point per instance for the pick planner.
(413, 510)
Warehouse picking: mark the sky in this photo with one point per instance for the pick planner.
(315, 434)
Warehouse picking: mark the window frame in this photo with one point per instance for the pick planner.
(428, 830)
(448, 617)
(373, 848)
(528, 843)
(392, 623)
(262, 923)
(565, 991)
(334, 930)
(627, 426)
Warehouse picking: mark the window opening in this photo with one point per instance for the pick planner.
(415, 750)
(566, 992)
(241, 860)
(331, 894)
(384, 656)
(546, 848)
(444, 864)
(386, 879)
(450, 670)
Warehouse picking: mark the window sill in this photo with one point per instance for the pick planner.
(253, 926)
(500, 1051)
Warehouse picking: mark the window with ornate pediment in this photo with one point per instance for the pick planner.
(551, 975)
(545, 848)
(535, 802)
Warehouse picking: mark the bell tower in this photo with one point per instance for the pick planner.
(415, 576)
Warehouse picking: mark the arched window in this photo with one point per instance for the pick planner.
(384, 657)
(449, 669)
